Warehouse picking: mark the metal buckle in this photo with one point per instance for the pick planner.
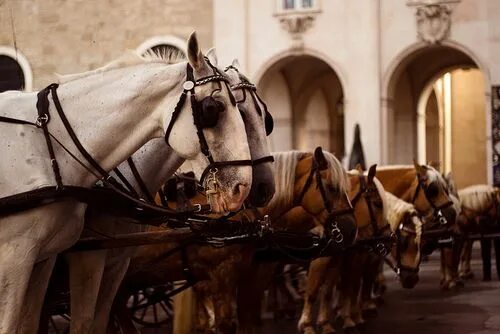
(337, 235)
(42, 120)
(212, 184)
(197, 207)
(381, 249)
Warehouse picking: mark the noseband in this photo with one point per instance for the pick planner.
(189, 89)
(379, 243)
(332, 231)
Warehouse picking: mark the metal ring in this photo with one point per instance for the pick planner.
(42, 120)
(442, 220)
(339, 237)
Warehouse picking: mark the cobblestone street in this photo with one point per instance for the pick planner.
(425, 309)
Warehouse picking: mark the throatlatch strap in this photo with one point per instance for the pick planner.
(42, 106)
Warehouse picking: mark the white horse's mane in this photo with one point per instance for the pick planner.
(130, 58)
(478, 197)
(285, 164)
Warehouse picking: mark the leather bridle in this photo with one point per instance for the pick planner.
(332, 230)
(399, 267)
(437, 214)
(249, 88)
(196, 107)
(378, 243)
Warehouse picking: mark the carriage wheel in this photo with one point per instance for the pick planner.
(152, 306)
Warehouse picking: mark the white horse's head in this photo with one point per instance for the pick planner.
(258, 125)
(207, 120)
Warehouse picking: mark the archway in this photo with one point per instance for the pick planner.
(15, 71)
(436, 111)
(306, 99)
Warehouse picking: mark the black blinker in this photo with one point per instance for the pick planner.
(209, 113)
(268, 123)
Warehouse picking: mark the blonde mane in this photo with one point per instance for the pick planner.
(397, 210)
(478, 197)
(129, 58)
(284, 177)
(285, 164)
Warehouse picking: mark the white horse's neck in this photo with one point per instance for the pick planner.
(116, 112)
(155, 162)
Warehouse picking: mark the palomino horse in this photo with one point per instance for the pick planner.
(425, 188)
(95, 276)
(321, 198)
(405, 253)
(480, 215)
(368, 200)
(107, 114)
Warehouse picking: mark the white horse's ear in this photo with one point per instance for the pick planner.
(212, 56)
(195, 57)
(236, 63)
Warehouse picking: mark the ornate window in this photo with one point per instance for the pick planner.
(300, 5)
(164, 45)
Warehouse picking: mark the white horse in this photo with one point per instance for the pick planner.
(113, 111)
(95, 276)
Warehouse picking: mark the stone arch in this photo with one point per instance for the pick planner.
(23, 63)
(306, 97)
(406, 88)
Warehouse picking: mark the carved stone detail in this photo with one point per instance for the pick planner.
(296, 24)
(433, 19)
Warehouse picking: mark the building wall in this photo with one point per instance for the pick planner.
(468, 128)
(364, 42)
(59, 36)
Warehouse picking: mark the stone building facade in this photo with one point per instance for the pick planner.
(421, 77)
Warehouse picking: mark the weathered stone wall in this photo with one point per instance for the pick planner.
(68, 36)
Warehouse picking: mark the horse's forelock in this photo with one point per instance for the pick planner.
(338, 173)
(397, 209)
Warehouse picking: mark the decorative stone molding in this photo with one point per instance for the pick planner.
(433, 19)
(297, 24)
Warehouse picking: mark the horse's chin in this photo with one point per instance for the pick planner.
(221, 205)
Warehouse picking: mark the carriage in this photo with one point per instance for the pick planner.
(192, 107)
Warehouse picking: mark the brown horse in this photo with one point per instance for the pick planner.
(425, 188)
(479, 214)
(368, 199)
(405, 253)
(310, 192)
